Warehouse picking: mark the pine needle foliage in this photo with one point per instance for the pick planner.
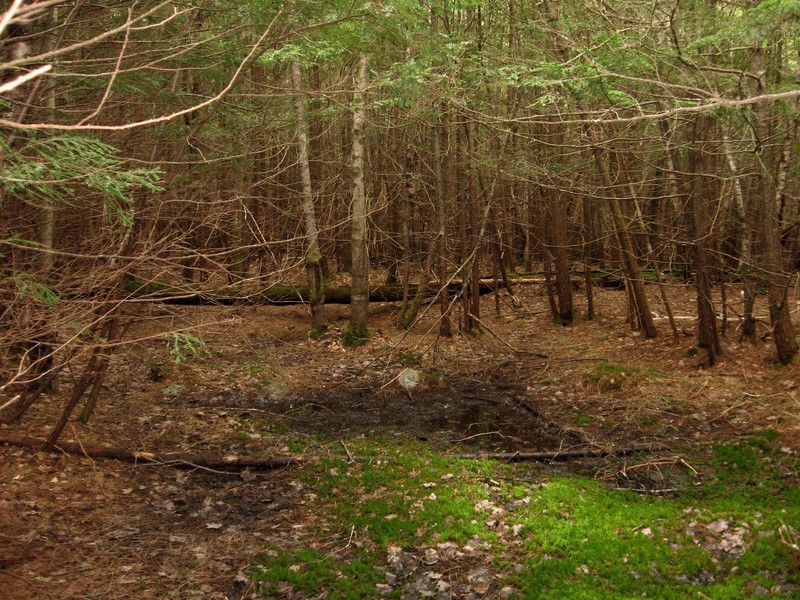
(55, 169)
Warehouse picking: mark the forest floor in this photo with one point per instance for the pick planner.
(75, 527)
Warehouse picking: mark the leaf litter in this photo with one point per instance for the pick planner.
(101, 529)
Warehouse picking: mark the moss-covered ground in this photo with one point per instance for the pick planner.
(404, 521)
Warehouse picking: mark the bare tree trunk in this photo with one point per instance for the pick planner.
(778, 287)
(656, 270)
(527, 252)
(358, 331)
(405, 217)
(745, 247)
(475, 232)
(558, 243)
(776, 277)
(47, 218)
(629, 261)
(113, 334)
(238, 266)
(94, 372)
(633, 273)
(587, 264)
(723, 298)
(410, 310)
(701, 159)
(548, 279)
(445, 327)
(468, 224)
(314, 276)
(770, 192)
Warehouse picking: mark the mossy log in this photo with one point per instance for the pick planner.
(281, 294)
(286, 294)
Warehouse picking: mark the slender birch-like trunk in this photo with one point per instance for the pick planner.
(316, 281)
(359, 302)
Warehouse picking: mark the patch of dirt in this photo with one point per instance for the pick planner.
(71, 527)
(74, 528)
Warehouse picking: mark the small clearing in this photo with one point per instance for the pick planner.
(76, 527)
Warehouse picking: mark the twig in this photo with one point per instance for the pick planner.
(656, 464)
(299, 408)
(645, 491)
(687, 465)
(201, 467)
(789, 537)
(11, 402)
(730, 408)
(350, 539)
(558, 455)
(478, 435)
(505, 343)
(15, 83)
(346, 546)
(350, 459)
(98, 481)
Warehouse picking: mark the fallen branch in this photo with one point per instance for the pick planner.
(276, 462)
(169, 458)
(559, 455)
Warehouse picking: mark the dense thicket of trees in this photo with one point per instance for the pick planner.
(220, 143)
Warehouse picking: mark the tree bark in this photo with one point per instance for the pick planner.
(558, 244)
(701, 159)
(548, 278)
(629, 261)
(776, 277)
(743, 211)
(445, 327)
(474, 306)
(586, 231)
(358, 330)
(47, 218)
(652, 258)
(314, 276)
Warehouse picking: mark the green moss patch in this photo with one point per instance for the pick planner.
(411, 522)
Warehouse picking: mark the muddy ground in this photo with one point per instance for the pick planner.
(75, 527)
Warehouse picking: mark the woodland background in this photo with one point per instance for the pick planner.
(252, 152)
(316, 275)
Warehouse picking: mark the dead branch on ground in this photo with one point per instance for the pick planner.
(233, 462)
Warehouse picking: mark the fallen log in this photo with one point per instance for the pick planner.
(285, 295)
(280, 294)
(230, 463)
